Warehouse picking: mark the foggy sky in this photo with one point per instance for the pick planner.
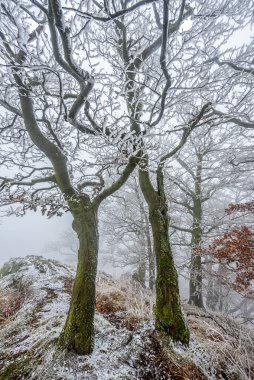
(34, 234)
(30, 234)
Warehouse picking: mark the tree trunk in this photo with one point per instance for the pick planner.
(196, 277)
(151, 261)
(196, 297)
(212, 294)
(140, 274)
(149, 250)
(168, 312)
(195, 285)
(78, 333)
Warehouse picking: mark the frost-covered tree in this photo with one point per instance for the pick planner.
(50, 135)
(91, 89)
(64, 127)
(183, 95)
(203, 179)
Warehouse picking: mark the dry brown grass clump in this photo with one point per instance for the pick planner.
(10, 303)
(112, 302)
(113, 306)
(125, 305)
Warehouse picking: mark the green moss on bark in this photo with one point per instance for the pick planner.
(168, 313)
(78, 333)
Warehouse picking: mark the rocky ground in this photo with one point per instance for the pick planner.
(34, 298)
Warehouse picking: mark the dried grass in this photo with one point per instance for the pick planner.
(10, 302)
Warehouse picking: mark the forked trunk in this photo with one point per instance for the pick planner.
(78, 333)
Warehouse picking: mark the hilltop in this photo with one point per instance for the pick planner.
(34, 299)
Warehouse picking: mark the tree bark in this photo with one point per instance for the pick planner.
(78, 333)
(151, 261)
(195, 285)
(168, 313)
(196, 277)
(147, 238)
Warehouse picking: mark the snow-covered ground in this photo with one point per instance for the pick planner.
(34, 298)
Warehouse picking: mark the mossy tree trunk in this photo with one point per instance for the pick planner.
(195, 285)
(168, 313)
(151, 258)
(79, 328)
(78, 333)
